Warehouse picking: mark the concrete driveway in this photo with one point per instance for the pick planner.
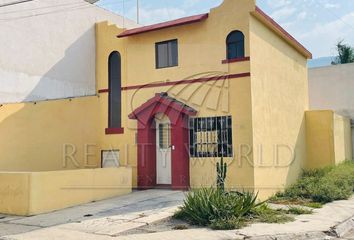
(101, 217)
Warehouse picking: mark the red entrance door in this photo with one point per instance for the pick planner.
(178, 114)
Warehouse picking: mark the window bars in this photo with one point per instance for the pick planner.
(211, 137)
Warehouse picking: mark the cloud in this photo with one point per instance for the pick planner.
(283, 13)
(331, 5)
(278, 3)
(302, 15)
(324, 36)
(150, 16)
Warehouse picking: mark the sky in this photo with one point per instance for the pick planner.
(317, 24)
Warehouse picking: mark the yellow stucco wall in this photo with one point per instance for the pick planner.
(14, 193)
(32, 193)
(328, 139)
(200, 55)
(320, 141)
(34, 135)
(279, 100)
(342, 138)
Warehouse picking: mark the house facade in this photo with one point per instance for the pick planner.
(171, 100)
(204, 87)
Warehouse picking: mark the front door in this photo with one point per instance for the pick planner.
(163, 151)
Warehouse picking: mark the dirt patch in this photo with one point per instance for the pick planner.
(168, 224)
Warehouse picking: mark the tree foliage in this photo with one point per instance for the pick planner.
(345, 54)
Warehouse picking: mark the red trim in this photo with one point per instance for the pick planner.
(197, 80)
(174, 23)
(110, 131)
(283, 31)
(242, 59)
(146, 141)
(103, 91)
(163, 104)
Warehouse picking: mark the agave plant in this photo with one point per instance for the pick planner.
(207, 205)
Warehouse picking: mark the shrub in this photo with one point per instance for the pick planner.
(216, 208)
(323, 185)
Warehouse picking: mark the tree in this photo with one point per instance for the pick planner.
(345, 54)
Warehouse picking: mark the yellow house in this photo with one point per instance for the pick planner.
(230, 83)
(172, 100)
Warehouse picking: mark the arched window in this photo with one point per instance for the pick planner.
(115, 90)
(235, 43)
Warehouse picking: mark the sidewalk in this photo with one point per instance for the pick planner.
(113, 217)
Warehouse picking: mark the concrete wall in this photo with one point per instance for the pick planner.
(279, 99)
(32, 193)
(330, 88)
(48, 49)
(34, 136)
(328, 138)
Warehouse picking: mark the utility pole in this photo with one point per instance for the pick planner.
(137, 12)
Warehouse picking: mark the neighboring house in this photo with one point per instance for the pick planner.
(331, 88)
(48, 49)
(171, 100)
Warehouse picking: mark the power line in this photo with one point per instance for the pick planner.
(40, 8)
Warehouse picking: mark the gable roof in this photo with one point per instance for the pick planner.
(258, 13)
(162, 99)
(155, 27)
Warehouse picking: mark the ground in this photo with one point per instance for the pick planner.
(147, 215)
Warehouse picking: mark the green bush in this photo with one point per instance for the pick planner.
(215, 208)
(323, 185)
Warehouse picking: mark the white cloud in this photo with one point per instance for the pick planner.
(278, 3)
(325, 36)
(302, 15)
(331, 5)
(149, 16)
(283, 13)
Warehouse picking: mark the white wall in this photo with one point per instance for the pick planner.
(48, 49)
(332, 88)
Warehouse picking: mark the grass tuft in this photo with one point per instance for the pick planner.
(298, 210)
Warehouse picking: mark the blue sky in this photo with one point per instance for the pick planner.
(317, 24)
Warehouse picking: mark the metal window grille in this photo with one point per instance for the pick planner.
(211, 137)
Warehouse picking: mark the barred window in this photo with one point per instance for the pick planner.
(211, 137)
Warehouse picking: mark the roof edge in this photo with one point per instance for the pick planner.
(273, 25)
(163, 25)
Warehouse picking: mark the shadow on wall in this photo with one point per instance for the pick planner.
(68, 77)
(35, 135)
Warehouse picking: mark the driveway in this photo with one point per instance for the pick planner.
(101, 217)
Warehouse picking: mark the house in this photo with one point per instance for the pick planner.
(204, 87)
(48, 49)
(171, 100)
(330, 88)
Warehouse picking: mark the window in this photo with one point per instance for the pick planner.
(164, 136)
(115, 90)
(166, 54)
(211, 137)
(235, 45)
